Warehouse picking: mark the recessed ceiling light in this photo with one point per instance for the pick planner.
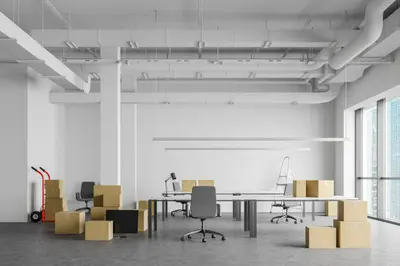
(199, 75)
(252, 75)
(94, 75)
(145, 75)
(267, 44)
(133, 45)
(71, 45)
(201, 44)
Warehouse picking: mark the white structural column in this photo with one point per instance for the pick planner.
(110, 117)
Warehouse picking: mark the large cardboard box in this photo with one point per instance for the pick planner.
(205, 183)
(54, 188)
(320, 188)
(100, 190)
(187, 185)
(99, 213)
(331, 208)
(299, 188)
(69, 222)
(54, 205)
(112, 200)
(320, 237)
(144, 205)
(99, 230)
(353, 211)
(142, 220)
(353, 234)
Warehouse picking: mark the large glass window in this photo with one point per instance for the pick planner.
(393, 160)
(370, 170)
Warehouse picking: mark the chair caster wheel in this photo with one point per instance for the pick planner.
(301, 221)
(287, 220)
(189, 237)
(295, 222)
(277, 222)
(272, 221)
(212, 236)
(223, 238)
(172, 214)
(204, 240)
(182, 239)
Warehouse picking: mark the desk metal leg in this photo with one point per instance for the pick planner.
(149, 221)
(313, 210)
(163, 210)
(239, 210)
(246, 215)
(155, 215)
(304, 209)
(166, 209)
(234, 209)
(253, 218)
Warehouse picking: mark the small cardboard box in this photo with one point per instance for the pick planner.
(353, 211)
(299, 188)
(142, 220)
(353, 234)
(100, 190)
(69, 222)
(209, 183)
(320, 237)
(99, 230)
(54, 188)
(320, 188)
(99, 213)
(112, 200)
(52, 206)
(331, 208)
(187, 185)
(144, 205)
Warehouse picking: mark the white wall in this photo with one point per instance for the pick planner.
(231, 170)
(13, 143)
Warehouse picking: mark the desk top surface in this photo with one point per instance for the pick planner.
(256, 198)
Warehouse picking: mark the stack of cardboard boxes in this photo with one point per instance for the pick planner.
(352, 226)
(54, 201)
(313, 188)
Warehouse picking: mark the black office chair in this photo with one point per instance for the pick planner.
(86, 194)
(203, 206)
(177, 188)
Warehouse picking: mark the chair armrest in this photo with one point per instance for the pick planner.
(78, 196)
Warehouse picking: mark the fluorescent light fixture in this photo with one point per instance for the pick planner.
(94, 75)
(305, 75)
(201, 44)
(236, 149)
(55, 11)
(199, 75)
(145, 75)
(71, 45)
(267, 44)
(252, 75)
(133, 45)
(259, 139)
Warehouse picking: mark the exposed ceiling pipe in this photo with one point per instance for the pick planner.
(373, 26)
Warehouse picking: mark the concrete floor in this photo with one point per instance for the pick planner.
(282, 244)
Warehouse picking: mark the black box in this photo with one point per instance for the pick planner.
(124, 221)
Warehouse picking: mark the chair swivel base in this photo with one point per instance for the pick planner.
(286, 216)
(203, 232)
(83, 209)
(179, 211)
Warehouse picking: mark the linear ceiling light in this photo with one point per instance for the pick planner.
(71, 45)
(55, 11)
(133, 45)
(271, 139)
(267, 44)
(94, 75)
(145, 75)
(252, 75)
(236, 149)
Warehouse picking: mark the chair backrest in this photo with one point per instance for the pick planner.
(288, 190)
(176, 186)
(87, 190)
(204, 202)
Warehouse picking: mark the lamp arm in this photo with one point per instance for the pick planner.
(166, 185)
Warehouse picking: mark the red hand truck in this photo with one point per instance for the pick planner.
(38, 216)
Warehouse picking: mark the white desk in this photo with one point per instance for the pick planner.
(250, 207)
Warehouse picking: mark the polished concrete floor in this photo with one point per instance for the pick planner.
(277, 244)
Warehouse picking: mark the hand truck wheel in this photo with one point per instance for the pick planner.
(36, 216)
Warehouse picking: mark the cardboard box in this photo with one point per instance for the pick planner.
(353, 234)
(99, 230)
(320, 188)
(320, 237)
(54, 188)
(187, 185)
(144, 205)
(99, 213)
(205, 183)
(112, 200)
(99, 191)
(353, 211)
(300, 188)
(70, 222)
(52, 206)
(142, 220)
(331, 208)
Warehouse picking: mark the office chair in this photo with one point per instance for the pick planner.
(177, 188)
(286, 205)
(203, 206)
(86, 194)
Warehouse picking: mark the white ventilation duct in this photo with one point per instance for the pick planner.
(373, 26)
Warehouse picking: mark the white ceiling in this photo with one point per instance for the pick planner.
(119, 13)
